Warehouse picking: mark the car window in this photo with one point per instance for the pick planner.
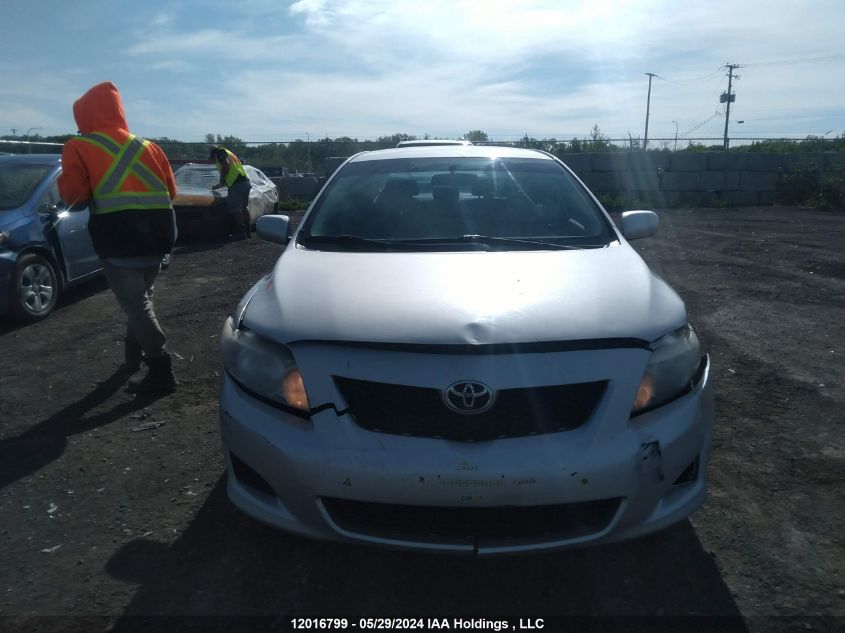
(196, 176)
(51, 196)
(18, 182)
(447, 198)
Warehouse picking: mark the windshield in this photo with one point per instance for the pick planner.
(17, 182)
(455, 203)
(196, 177)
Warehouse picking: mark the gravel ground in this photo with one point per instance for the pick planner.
(114, 509)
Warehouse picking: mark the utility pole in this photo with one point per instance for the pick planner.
(676, 136)
(728, 97)
(647, 107)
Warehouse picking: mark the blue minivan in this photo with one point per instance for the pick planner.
(44, 248)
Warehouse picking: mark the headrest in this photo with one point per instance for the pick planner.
(445, 194)
(458, 179)
(404, 187)
(483, 187)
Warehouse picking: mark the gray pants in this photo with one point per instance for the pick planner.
(133, 288)
(237, 201)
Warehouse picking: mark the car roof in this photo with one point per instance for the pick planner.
(432, 142)
(446, 151)
(30, 159)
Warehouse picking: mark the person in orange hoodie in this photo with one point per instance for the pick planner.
(128, 185)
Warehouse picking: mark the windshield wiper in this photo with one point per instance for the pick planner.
(353, 241)
(490, 240)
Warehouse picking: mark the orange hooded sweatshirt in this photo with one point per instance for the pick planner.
(128, 233)
(83, 165)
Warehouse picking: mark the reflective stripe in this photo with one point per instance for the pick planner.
(119, 169)
(136, 200)
(125, 161)
(100, 138)
(145, 173)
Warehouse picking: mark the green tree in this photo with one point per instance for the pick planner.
(477, 136)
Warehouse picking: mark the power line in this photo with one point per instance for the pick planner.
(789, 62)
(694, 79)
(702, 124)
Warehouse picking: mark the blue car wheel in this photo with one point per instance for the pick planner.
(35, 290)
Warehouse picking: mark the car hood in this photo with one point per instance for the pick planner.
(463, 298)
(198, 197)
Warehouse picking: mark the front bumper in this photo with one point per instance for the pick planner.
(295, 474)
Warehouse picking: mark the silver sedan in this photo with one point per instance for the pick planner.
(459, 351)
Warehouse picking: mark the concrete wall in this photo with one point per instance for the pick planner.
(668, 179)
(298, 187)
(695, 178)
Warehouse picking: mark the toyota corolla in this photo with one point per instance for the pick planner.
(458, 350)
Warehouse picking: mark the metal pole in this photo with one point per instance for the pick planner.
(676, 136)
(730, 68)
(29, 140)
(647, 108)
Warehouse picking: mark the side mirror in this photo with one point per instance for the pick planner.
(639, 224)
(273, 228)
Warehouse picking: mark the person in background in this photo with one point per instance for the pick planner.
(233, 175)
(127, 184)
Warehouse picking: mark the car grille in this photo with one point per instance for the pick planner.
(421, 412)
(468, 525)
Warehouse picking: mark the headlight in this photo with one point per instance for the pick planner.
(263, 367)
(670, 370)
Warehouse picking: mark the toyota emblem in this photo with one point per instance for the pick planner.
(468, 397)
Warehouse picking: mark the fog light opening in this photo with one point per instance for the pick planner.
(690, 474)
(248, 477)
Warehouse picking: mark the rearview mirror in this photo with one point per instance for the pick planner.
(273, 228)
(639, 224)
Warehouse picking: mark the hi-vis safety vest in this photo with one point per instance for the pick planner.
(108, 195)
(234, 168)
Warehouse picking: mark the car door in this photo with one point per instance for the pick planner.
(71, 227)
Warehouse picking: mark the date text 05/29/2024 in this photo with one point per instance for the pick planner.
(416, 624)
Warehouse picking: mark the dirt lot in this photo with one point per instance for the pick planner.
(102, 519)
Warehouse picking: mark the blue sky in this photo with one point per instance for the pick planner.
(267, 70)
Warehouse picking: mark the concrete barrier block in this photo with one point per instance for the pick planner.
(304, 188)
(688, 161)
(610, 161)
(719, 180)
(639, 180)
(579, 163)
(766, 198)
(680, 181)
(648, 161)
(667, 199)
(759, 181)
(726, 161)
(741, 198)
(770, 162)
(600, 181)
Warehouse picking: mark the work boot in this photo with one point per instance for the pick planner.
(132, 355)
(159, 379)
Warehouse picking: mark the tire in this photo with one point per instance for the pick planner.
(35, 288)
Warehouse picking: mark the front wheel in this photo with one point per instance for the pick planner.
(35, 290)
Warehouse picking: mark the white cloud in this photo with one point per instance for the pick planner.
(370, 67)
